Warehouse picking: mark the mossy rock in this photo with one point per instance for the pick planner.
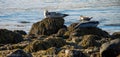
(47, 26)
(71, 27)
(86, 31)
(61, 32)
(45, 53)
(45, 44)
(110, 48)
(20, 32)
(56, 42)
(36, 46)
(19, 53)
(71, 53)
(14, 46)
(116, 35)
(88, 41)
(93, 31)
(7, 36)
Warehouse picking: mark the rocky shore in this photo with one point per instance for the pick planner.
(51, 38)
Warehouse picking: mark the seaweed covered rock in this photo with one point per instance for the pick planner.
(88, 41)
(116, 35)
(45, 44)
(71, 53)
(36, 46)
(47, 26)
(61, 32)
(20, 45)
(20, 32)
(19, 53)
(86, 31)
(70, 29)
(7, 36)
(44, 53)
(56, 42)
(110, 49)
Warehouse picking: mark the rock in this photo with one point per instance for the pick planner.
(7, 36)
(4, 53)
(88, 41)
(61, 32)
(51, 52)
(45, 44)
(85, 31)
(116, 35)
(70, 29)
(19, 53)
(70, 53)
(42, 37)
(95, 54)
(36, 46)
(47, 26)
(110, 49)
(56, 42)
(76, 39)
(21, 32)
(91, 50)
(20, 45)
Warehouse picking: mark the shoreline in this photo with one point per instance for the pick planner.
(50, 37)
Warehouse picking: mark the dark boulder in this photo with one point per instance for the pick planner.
(116, 35)
(47, 26)
(71, 53)
(36, 46)
(86, 31)
(7, 36)
(110, 49)
(19, 53)
(55, 42)
(45, 44)
(88, 41)
(20, 32)
(61, 32)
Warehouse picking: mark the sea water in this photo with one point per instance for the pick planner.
(21, 14)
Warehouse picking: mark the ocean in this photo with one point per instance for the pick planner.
(21, 14)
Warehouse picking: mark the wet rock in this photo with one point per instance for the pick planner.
(51, 52)
(70, 29)
(71, 53)
(20, 32)
(45, 44)
(85, 31)
(88, 41)
(7, 36)
(76, 39)
(110, 49)
(47, 26)
(91, 50)
(19, 53)
(95, 54)
(61, 32)
(4, 53)
(55, 42)
(42, 37)
(116, 35)
(20, 45)
(36, 46)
